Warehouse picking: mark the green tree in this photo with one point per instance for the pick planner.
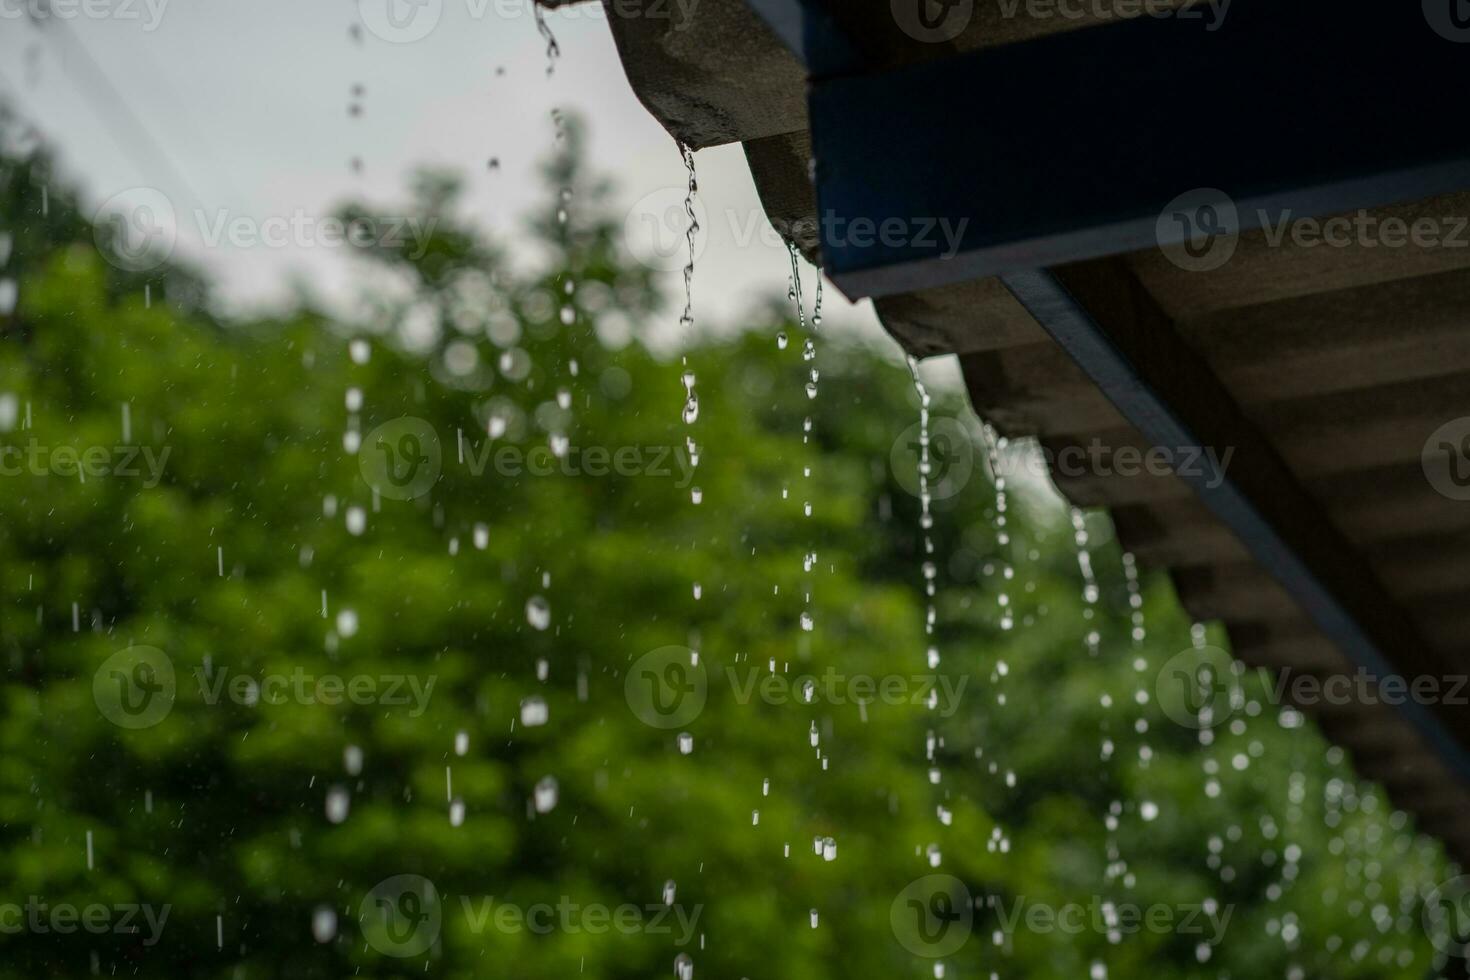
(568, 534)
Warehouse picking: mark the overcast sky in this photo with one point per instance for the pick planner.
(248, 104)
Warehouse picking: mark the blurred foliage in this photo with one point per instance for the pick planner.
(243, 561)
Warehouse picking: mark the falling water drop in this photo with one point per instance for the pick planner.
(324, 924)
(338, 803)
(546, 794)
(553, 50)
(538, 612)
(534, 711)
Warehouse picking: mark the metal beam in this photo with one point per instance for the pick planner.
(1074, 145)
(1109, 325)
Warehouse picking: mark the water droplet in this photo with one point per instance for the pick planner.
(347, 623)
(546, 794)
(461, 742)
(338, 803)
(360, 351)
(1148, 810)
(456, 813)
(696, 495)
(686, 743)
(534, 711)
(352, 760)
(538, 612)
(324, 924)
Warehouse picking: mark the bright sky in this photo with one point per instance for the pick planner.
(240, 110)
(248, 104)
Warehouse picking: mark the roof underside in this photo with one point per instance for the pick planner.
(1341, 359)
